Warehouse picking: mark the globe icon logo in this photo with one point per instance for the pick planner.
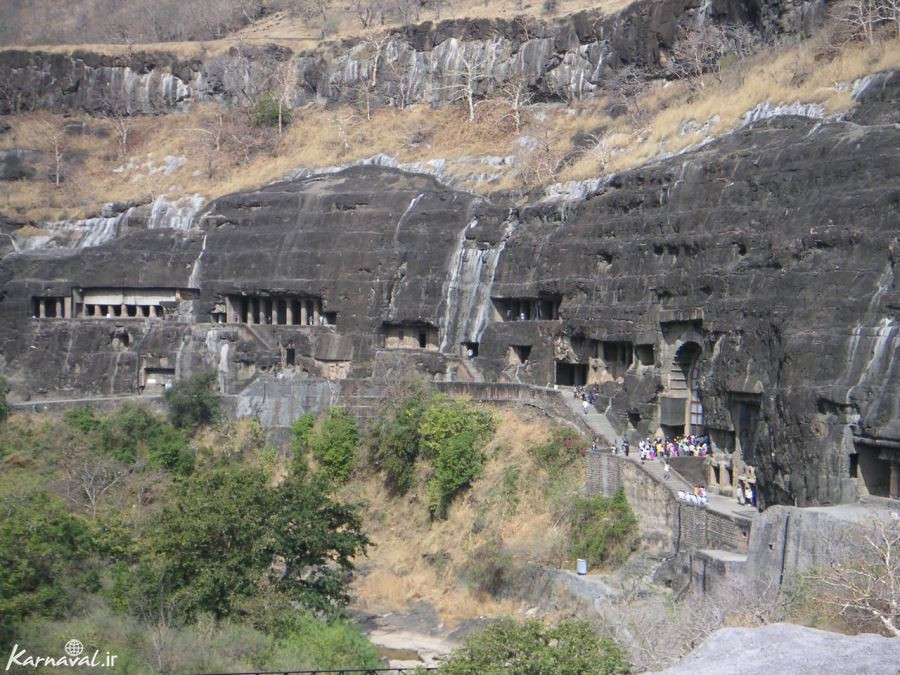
(74, 648)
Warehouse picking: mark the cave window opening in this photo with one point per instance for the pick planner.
(519, 354)
(290, 356)
(470, 349)
(634, 418)
(854, 466)
(423, 340)
(330, 319)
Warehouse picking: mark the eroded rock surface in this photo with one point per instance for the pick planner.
(785, 648)
(563, 59)
(751, 282)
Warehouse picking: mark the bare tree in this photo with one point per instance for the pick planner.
(890, 14)
(623, 85)
(56, 137)
(210, 140)
(89, 477)
(703, 49)
(864, 582)
(474, 70)
(367, 10)
(516, 96)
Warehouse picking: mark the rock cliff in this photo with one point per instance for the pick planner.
(747, 287)
(564, 59)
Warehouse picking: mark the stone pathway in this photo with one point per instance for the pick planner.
(601, 426)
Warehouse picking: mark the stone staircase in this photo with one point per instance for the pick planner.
(596, 420)
(600, 425)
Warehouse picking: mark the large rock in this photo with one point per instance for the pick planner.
(786, 648)
(770, 253)
(565, 58)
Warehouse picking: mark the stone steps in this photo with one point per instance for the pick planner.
(597, 421)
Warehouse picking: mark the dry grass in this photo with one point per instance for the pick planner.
(795, 74)
(321, 137)
(415, 559)
(301, 33)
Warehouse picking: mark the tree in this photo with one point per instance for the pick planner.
(228, 530)
(452, 434)
(863, 582)
(516, 96)
(532, 648)
(193, 401)
(56, 138)
(473, 70)
(623, 85)
(334, 444)
(43, 555)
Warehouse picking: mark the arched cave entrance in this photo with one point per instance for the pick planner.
(682, 408)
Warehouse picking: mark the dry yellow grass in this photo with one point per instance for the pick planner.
(321, 137)
(415, 559)
(299, 33)
(791, 75)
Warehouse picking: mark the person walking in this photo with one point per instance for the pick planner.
(585, 405)
(666, 469)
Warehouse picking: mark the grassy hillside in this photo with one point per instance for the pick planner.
(215, 149)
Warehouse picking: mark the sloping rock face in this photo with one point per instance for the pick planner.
(785, 648)
(748, 287)
(564, 59)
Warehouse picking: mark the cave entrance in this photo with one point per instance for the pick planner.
(684, 383)
(874, 470)
(470, 349)
(571, 374)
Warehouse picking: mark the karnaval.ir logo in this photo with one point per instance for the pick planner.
(74, 657)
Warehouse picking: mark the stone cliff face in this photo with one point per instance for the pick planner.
(747, 288)
(563, 59)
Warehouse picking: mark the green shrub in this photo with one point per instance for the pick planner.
(452, 434)
(301, 431)
(446, 418)
(82, 419)
(168, 449)
(532, 648)
(305, 642)
(266, 111)
(194, 401)
(43, 556)
(334, 444)
(132, 433)
(603, 529)
(559, 451)
(459, 462)
(399, 447)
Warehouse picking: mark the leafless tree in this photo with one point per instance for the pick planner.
(700, 50)
(56, 140)
(623, 85)
(863, 582)
(367, 11)
(344, 123)
(890, 14)
(474, 70)
(515, 95)
(89, 477)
